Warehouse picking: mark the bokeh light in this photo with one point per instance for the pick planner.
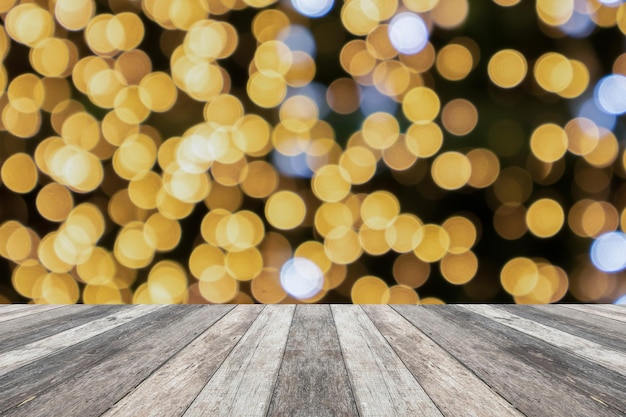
(408, 33)
(291, 151)
(608, 252)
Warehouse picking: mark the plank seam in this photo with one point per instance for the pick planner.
(345, 365)
(546, 371)
(230, 351)
(282, 357)
(459, 361)
(402, 360)
(592, 311)
(54, 383)
(167, 360)
(563, 349)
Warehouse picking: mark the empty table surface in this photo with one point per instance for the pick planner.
(312, 360)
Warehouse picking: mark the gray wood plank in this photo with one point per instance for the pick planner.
(29, 380)
(31, 328)
(10, 311)
(242, 386)
(607, 332)
(7, 308)
(516, 365)
(92, 391)
(455, 389)
(382, 384)
(591, 351)
(184, 376)
(594, 310)
(313, 380)
(30, 352)
(30, 323)
(7, 313)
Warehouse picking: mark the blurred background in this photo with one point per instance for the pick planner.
(367, 151)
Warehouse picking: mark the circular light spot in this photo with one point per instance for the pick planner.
(545, 218)
(301, 278)
(408, 33)
(451, 170)
(19, 173)
(549, 142)
(608, 252)
(610, 94)
(421, 105)
(313, 8)
(370, 290)
(519, 276)
(434, 244)
(285, 210)
(54, 202)
(459, 117)
(507, 68)
(454, 62)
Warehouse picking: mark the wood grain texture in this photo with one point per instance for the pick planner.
(486, 348)
(611, 359)
(184, 376)
(92, 391)
(597, 310)
(313, 380)
(43, 347)
(595, 380)
(313, 360)
(25, 330)
(454, 388)
(602, 330)
(28, 381)
(242, 386)
(10, 312)
(382, 384)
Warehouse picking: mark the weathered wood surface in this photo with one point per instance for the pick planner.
(313, 360)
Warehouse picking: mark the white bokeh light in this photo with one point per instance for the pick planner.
(621, 300)
(301, 278)
(610, 94)
(408, 33)
(312, 8)
(608, 252)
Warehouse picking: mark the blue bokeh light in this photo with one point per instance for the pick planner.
(608, 252)
(610, 94)
(298, 38)
(590, 110)
(373, 101)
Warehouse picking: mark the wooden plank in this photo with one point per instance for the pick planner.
(31, 328)
(32, 351)
(313, 380)
(35, 323)
(31, 379)
(7, 314)
(594, 352)
(607, 332)
(594, 379)
(381, 383)
(242, 386)
(184, 376)
(92, 391)
(592, 309)
(455, 389)
(513, 364)
(7, 308)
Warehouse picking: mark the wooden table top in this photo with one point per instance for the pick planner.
(313, 360)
